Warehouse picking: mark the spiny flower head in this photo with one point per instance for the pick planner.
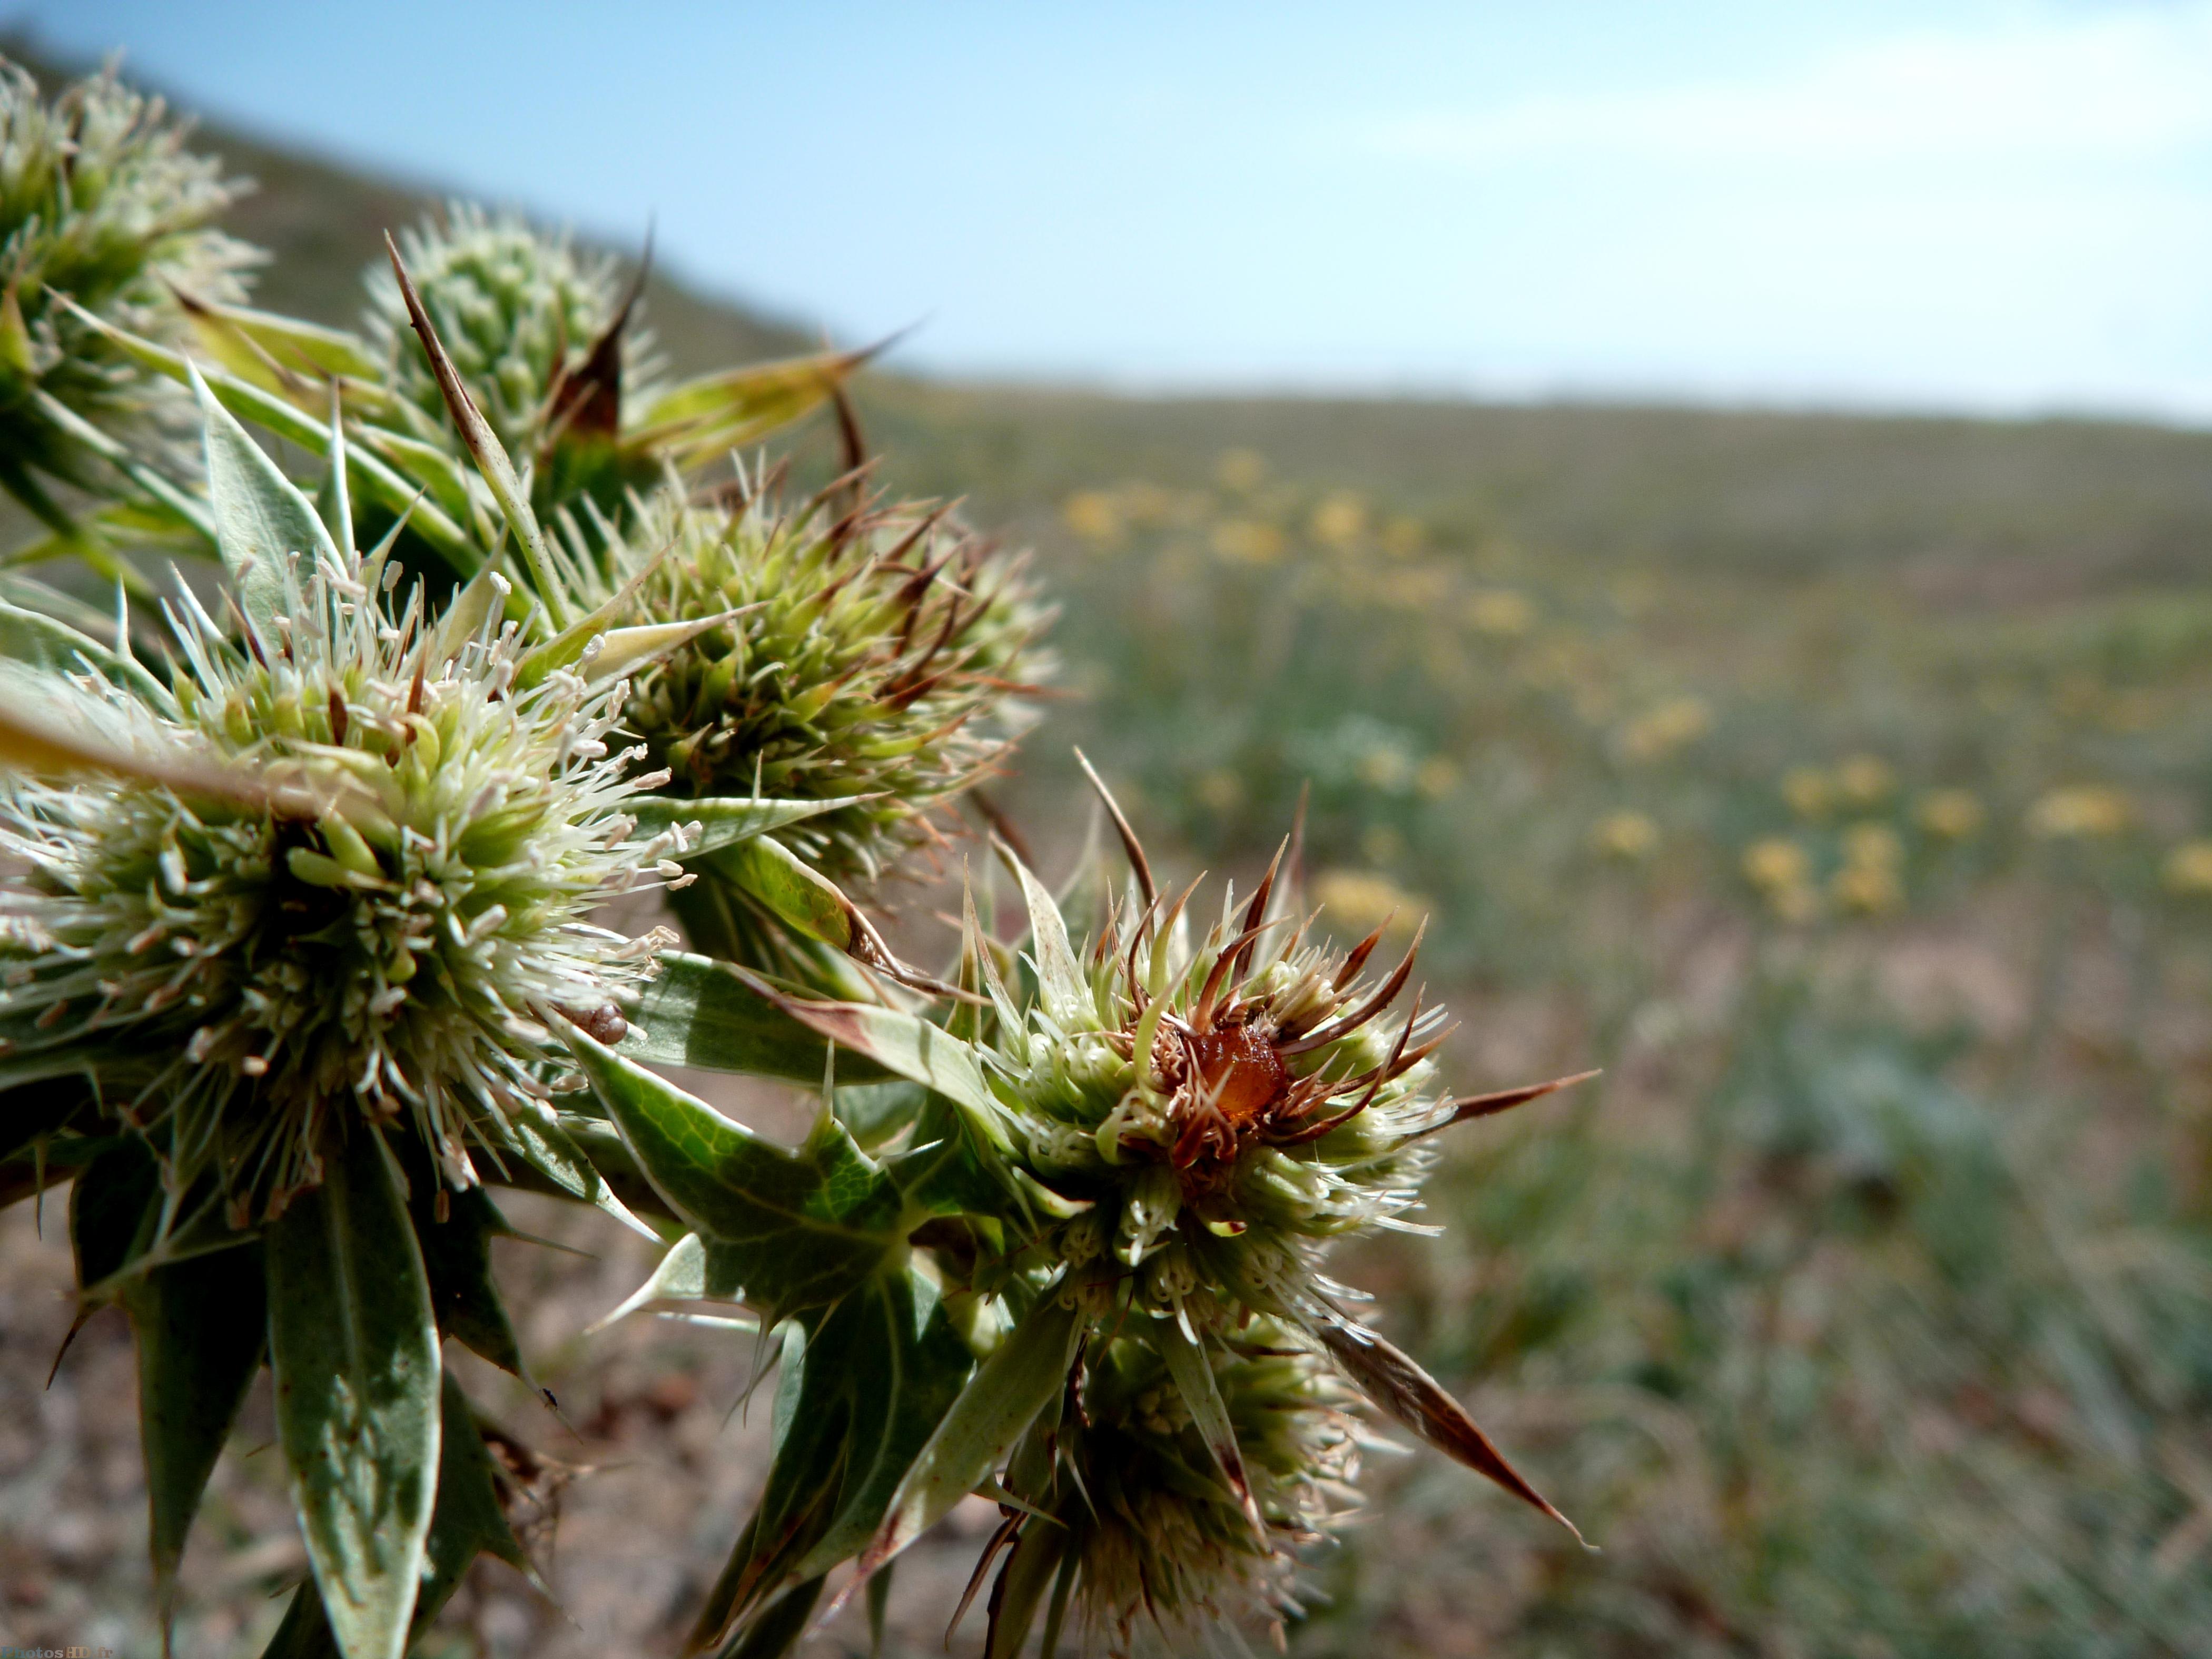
(386, 917)
(100, 201)
(1223, 1109)
(877, 653)
(520, 311)
(1165, 1542)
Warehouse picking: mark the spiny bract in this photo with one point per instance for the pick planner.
(386, 918)
(877, 653)
(100, 201)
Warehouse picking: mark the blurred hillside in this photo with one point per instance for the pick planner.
(1843, 786)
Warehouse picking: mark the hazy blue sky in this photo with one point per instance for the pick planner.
(1960, 204)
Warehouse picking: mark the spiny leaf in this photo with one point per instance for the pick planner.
(1411, 1396)
(791, 888)
(457, 1255)
(200, 1327)
(802, 1227)
(354, 1349)
(723, 821)
(1023, 1376)
(1059, 979)
(706, 1013)
(261, 519)
(1201, 1393)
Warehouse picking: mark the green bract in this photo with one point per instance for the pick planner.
(100, 204)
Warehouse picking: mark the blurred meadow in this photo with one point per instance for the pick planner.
(1841, 786)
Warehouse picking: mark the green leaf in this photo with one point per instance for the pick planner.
(803, 1228)
(200, 1327)
(1029, 1569)
(112, 1209)
(542, 1145)
(272, 414)
(260, 516)
(261, 346)
(708, 1014)
(862, 1389)
(1023, 1376)
(724, 822)
(905, 1366)
(485, 449)
(789, 887)
(354, 1349)
(703, 419)
(29, 637)
(693, 1270)
(777, 1632)
(1194, 1381)
(469, 1522)
(899, 1043)
(33, 1111)
(457, 1255)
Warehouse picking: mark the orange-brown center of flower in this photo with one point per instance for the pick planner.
(1240, 1072)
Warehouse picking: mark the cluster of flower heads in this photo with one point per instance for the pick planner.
(381, 905)
(101, 206)
(1216, 1112)
(875, 656)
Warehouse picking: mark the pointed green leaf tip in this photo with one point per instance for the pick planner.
(354, 1349)
(261, 519)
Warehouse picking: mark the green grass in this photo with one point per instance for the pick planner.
(1866, 1308)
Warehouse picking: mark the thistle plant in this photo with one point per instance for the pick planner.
(1122, 1165)
(303, 955)
(104, 213)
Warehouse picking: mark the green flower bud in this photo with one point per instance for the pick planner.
(100, 201)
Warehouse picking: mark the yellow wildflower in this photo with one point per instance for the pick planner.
(1809, 790)
(1870, 889)
(1872, 847)
(1950, 814)
(1436, 777)
(1864, 780)
(1248, 541)
(1402, 538)
(2081, 811)
(1359, 901)
(1671, 726)
(1500, 611)
(1776, 862)
(1219, 790)
(2189, 869)
(1628, 836)
(1241, 470)
(1340, 520)
(1092, 515)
